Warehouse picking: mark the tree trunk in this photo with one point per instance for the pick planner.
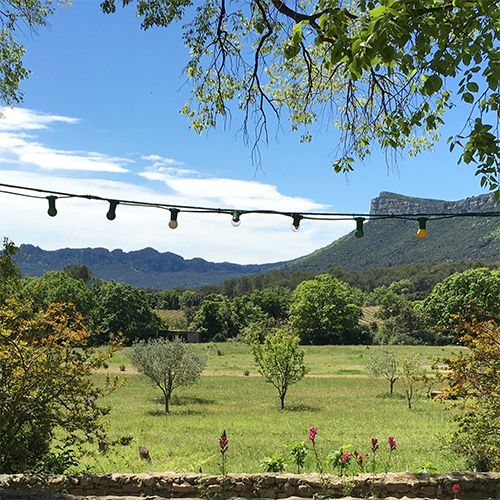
(409, 396)
(392, 385)
(282, 400)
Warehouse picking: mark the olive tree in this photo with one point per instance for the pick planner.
(384, 71)
(167, 364)
(280, 360)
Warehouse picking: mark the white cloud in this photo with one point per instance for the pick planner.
(27, 119)
(16, 146)
(230, 193)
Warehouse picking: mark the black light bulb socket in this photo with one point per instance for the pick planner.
(236, 216)
(359, 233)
(422, 222)
(296, 220)
(52, 211)
(111, 215)
(174, 212)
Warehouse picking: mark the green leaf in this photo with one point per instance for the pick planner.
(433, 84)
(468, 97)
(473, 87)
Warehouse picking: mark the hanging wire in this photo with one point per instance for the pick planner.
(176, 209)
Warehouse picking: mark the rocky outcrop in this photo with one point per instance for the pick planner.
(170, 485)
(392, 203)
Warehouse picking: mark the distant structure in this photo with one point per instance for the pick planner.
(184, 336)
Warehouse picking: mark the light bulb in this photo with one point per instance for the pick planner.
(52, 211)
(422, 227)
(296, 222)
(174, 212)
(111, 215)
(236, 221)
(359, 233)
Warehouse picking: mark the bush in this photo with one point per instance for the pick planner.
(48, 403)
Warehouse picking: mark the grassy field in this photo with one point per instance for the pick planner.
(337, 396)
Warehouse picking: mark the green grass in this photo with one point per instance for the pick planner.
(337, 396)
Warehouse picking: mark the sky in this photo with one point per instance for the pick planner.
(101, 116)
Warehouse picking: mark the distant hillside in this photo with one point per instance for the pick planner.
(145, 268)
(386, 244)
(391, 243)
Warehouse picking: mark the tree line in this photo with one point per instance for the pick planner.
(321, 310)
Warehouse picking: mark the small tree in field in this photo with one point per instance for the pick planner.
(280, 361)
(167, 364)
(384, 364)
(412, 376)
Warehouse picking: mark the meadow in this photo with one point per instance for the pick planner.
(337, 396)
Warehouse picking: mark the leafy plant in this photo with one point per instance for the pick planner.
(274, 463)
(299, 452)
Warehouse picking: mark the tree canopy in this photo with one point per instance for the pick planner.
(384, 71)
(473, 294)
(326, 311)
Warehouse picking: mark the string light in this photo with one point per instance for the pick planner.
(422, 218)
(359, 233)
(174, 212)
(236, 221)
(52, 211)
(422, 227)
(296, 221)
(111, 215)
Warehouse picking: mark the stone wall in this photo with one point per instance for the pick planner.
(169, 485)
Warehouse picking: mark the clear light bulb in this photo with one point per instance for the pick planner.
(236, 221)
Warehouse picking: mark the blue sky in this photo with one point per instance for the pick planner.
(101, 116)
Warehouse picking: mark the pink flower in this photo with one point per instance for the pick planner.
(374, 444)
(456, 489)
(312, 434)
(392, 443)
(223, 442)
(345, 457)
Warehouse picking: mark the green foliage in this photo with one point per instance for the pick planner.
(79, 271)
(474, 377)
(9, 272)
(463, 296)
(15, 18)
(383, 363)
(121, 310)
(299, 453)
(274, 463)
(280, 361)
(403, 323)
(58, 286)
(326, 311)
(389, 68)
(167, 365)
(215, 319)
(48, 402)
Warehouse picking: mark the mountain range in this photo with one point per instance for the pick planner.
(386, 243)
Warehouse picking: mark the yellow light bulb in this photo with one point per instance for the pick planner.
(422, 233)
